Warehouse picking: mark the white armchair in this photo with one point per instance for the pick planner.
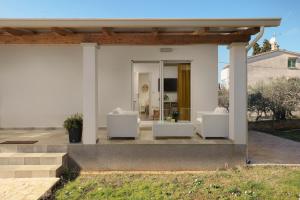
(122, 124)
(213, 124)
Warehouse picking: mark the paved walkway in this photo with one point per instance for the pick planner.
(25, 188)
(265, 148)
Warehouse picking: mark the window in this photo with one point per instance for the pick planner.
(292, 63)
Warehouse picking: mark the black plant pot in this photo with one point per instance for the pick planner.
(75, 135)
(175, 116)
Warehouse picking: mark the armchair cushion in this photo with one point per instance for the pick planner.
(122, 123)
(220, 110)
(117, 111)
(213, 124)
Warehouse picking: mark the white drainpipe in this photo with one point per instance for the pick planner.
(259, 35)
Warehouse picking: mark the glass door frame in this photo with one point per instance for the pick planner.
(161, 90)
(161, 77)
(132, 81)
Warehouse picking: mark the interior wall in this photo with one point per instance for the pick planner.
(144, 97)
(40, 85)
(153, 70)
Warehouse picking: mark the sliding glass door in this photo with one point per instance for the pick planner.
(162, 90)
(146, 95)
(176, 91)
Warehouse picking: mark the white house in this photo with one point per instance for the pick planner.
(224, 77)
(51, 68)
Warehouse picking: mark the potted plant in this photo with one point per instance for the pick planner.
(175, 115)
(73, 125)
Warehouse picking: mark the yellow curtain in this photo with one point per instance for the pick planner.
(184, 91)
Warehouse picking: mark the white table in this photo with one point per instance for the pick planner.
(173, 129)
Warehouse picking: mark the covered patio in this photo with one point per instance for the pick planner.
(143, 153)
(52, 68)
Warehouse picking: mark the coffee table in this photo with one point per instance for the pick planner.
(173, 129)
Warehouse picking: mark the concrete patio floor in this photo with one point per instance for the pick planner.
(143, 153)
(264, 148)
(59, 137)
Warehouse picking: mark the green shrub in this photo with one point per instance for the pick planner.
(73, 122)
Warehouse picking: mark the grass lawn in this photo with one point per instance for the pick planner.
(288, 134)
(241, 183)
(289, 129)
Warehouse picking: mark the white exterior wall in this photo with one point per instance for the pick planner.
(40, 85)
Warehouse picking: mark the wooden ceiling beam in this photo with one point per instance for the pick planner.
(62, 31)
(201, 31)
(208, 31)
(155, 31)
(122, 39)
(17, 31)
(108, 31)
(249, 31)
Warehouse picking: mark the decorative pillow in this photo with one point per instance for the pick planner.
(117, 111)
(220, 110)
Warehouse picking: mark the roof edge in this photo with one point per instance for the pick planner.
(274, 51)
(265, 53)
(210, 22)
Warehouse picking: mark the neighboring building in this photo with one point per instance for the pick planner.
(225, 77)
(273, 64)
(264, 66)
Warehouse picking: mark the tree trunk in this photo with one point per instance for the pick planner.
(257, 116)
(273, 121)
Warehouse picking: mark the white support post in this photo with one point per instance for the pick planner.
(238, 125)
(90, 94)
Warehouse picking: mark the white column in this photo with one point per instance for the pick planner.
(90, 94)
(238, 126)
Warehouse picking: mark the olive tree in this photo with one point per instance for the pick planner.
(258, 103)
(223, 98)
(281, 96)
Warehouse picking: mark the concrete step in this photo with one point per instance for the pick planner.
(32, 148)
(30, 171)
(33, 158)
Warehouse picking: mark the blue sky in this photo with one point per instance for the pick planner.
(288, 34)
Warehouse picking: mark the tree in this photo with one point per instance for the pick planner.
(257, 102)
(223, 98)
(266, 46)
(281, 96)
(256, 49)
